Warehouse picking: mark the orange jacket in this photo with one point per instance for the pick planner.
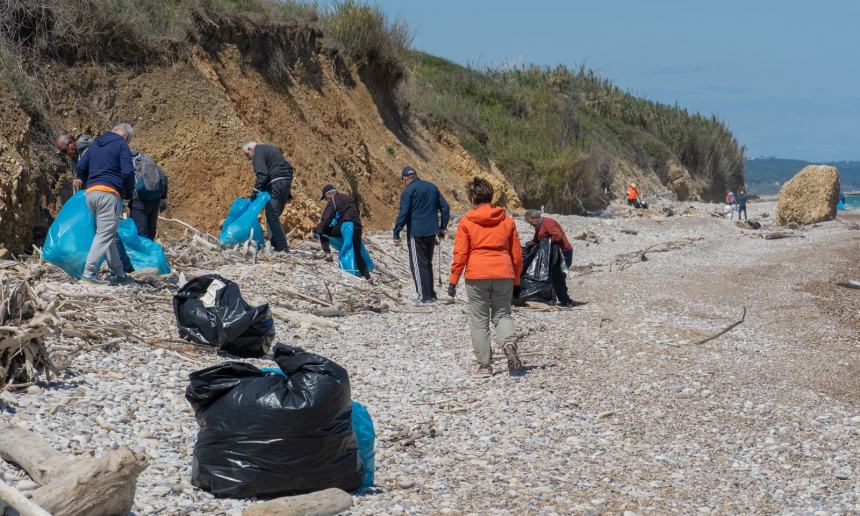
(487, 246)
(632, 194)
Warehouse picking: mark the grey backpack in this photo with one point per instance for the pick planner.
(147, 178)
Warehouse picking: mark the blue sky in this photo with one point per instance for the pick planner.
(783, 74)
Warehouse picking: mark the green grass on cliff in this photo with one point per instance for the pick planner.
(554, 131)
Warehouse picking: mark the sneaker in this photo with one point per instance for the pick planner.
(483, 372)
(125, 279)
(514, 362)
(92, 280)
(328, 258)
(428, 301)
(567, 304)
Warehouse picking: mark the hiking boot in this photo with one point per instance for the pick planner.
(567, 304)
(92, 280)
(514, 362)
(328, 258)
(483, 372)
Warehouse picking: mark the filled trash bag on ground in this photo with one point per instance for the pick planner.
(264, 435)
(143, 252)
(362, 427)
(243, 219)
(70, 236)
(541, 262)
(346, 253)
(210, 310)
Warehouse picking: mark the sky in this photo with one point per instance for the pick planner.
(783, 75)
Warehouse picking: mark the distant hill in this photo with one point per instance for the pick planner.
(765, 176)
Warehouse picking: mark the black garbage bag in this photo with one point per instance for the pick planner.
(269, 435)
(541, 262)
(210, 310)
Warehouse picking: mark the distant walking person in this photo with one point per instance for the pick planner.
(546, 227)
(742, 204)
(108, 172)
(275, 176)
(633, 195)
(488, 248)
(340, 209)
(424, 213)
(730, 202)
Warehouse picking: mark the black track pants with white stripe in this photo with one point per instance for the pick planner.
(421, 261)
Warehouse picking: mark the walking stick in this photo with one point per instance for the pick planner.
(439, 261)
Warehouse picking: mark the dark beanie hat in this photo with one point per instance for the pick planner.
(408, 171)
(326, 189)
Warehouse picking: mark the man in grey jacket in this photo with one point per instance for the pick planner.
(275, 176)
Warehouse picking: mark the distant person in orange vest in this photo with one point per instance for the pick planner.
(633, 195)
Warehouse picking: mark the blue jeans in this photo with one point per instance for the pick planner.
(559, 283)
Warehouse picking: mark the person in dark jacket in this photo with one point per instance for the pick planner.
(742, 204)
(275, 176)
(145, 212)
(339, 209)
(546, 227)
(425, 214)
(107, 170)
(73, 149)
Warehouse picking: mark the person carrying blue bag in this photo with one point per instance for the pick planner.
(339, 210)
(107, 170)
(74, 149)
(274, 175)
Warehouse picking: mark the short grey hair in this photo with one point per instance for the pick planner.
(249, 146)
(65, 138)
(123, 129)
(532, 214)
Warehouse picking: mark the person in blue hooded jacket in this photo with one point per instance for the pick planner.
(107, 170)
(73, 149)
(425, 214)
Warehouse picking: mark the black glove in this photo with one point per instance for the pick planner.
(162, 206)
(441, 234)
(253, 195)
(517, 291)
(452, 290)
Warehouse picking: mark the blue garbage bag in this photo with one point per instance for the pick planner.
(346, 255)
(70, 236)
(143, 252)
(243, 219)
(362, 426)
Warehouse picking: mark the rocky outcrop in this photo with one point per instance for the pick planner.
(809, 197)
(680, 183)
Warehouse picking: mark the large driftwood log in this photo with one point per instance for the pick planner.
(73, 487)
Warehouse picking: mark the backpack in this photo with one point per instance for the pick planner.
(147, 178)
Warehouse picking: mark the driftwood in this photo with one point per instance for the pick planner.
(852, 283)
(304, 319)
(81, 487)
(725, 330)
(19, 501)
(626, 260)
(777, 235)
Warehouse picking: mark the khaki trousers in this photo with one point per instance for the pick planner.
(489, 300)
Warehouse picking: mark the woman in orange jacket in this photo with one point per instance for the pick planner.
(488, 248)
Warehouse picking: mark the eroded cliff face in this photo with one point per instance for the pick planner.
(193, 115)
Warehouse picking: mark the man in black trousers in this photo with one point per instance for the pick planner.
(425, 214)
(341, 208)
(275, 176)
